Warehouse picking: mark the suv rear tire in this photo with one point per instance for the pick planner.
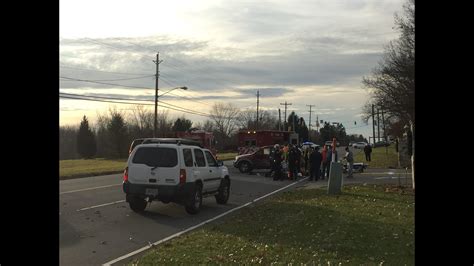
(244, 167)
(223, 196)
(137, 204)
(194, 204)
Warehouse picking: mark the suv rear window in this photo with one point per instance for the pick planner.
(156, 156)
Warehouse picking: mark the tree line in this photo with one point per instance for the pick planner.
(113, 131)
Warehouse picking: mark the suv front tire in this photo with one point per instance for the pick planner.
(224, 191)
(244, 167)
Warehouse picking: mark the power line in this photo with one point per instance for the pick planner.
(123, 78)
(105, 83)
(146, 48)
(111, 101)
(103, 97)
(185, 97)
(128, 99)
(103, 44)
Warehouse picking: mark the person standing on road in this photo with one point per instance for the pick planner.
(315, 164)
(298, 161)
(350, 161)
(307, 154)
(367, 151)
(325, 163)
(277, 162)
(293, 163)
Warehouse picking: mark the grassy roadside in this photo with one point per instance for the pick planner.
(89, 167)
(381, 157)
(69, 169)
(366, 225)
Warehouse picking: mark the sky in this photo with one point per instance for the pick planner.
(301, 52)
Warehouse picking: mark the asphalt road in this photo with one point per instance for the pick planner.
(97, 225)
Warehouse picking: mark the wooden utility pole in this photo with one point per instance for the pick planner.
(285, 123)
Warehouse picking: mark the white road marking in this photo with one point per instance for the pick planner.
(381, 173)
(198, 225)
(105, 204)
(72, 191)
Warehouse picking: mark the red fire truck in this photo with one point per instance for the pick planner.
(205, 138)
(249, 141)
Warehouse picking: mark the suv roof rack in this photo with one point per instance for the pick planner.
(178, 141)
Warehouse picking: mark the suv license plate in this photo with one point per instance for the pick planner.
(151, 191)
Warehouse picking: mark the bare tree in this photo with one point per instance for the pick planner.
(393, 81)
(225, 118)
(247, 120)
(208, 125)
(142, 117)
(165, 124)
(225, 121)
(268, 120)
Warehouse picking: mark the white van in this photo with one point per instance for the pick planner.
(174, 172)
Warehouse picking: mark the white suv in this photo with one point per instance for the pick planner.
(174, 172)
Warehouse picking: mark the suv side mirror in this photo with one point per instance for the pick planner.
(220, 163)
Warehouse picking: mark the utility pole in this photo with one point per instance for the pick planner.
(384, 135)
(373, 125)
(285, 124)
(258, 95)
(157, 62)
(294, 115)
(378, 125)
(309, 130)
(383, 124)
(317, 123)
(279, 119)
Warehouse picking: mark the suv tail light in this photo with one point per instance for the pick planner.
(125, 174)
(182, 176)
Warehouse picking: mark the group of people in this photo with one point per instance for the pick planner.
(286, 162)
(285, 159)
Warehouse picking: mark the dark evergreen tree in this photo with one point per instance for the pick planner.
(86, 144)
(182, 124)
(117, 131)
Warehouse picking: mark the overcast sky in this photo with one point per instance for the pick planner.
(303, 52)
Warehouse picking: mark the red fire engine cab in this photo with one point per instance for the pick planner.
(205, 138)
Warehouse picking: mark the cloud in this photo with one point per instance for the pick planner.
(306, 52)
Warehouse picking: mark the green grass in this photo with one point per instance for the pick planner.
(89, 167)
(381, 157)
(366, 225)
